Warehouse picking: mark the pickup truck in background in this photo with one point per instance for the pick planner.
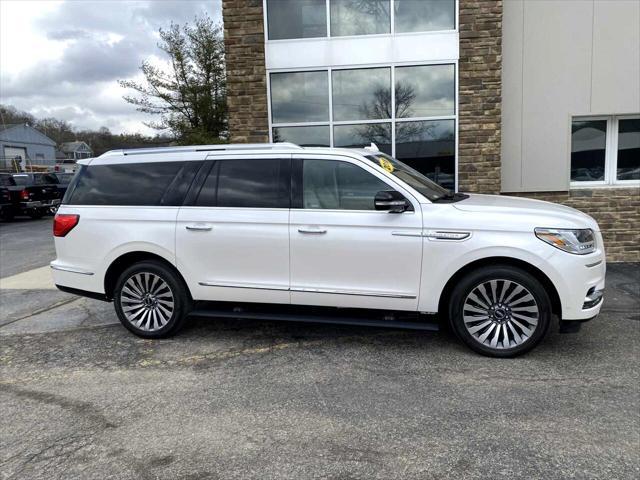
(32, 194)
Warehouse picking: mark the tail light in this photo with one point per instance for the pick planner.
(63, 223)
(24, 195)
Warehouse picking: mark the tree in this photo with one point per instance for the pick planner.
(190, 98)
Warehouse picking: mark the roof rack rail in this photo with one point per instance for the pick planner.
(205, 148)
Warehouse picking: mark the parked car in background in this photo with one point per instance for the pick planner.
(32, 194)
(6, 207)
(64, 178)
(158, 230)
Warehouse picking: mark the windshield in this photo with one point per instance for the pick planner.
(411, 177)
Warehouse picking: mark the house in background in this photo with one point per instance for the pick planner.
(23, 145)
(76, 150)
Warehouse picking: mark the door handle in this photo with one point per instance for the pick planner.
(200, 228)
(317, 231)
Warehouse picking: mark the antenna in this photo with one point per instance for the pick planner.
(372, 148)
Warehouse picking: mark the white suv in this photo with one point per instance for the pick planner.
(231, 230)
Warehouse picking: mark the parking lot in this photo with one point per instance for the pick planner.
(80, 397)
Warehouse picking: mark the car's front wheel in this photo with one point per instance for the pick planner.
(500, 311)
(151, 300)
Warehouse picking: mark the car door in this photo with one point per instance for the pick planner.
(232, 239)
(343, 252)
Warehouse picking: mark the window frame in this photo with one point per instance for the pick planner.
(610, 152)
(392, 30)
(393, 120)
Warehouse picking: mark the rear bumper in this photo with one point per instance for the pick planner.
(40, 204)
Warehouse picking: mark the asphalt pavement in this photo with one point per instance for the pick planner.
(80, 397)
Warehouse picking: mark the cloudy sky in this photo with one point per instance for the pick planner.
(64, 58)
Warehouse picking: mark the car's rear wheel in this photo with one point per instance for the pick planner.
(36, 213)
(151, 300)
(500, 311)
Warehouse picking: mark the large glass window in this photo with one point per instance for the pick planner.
(305, 136)
(628, 165)
(424, 15)
(296, 19)
(362, 94)
(337, 185)
(605, 150)
(358, 107)
(261, 183)
(429, 147)
(300, 97)
(359, 17)
(425, 91)
(361, 135)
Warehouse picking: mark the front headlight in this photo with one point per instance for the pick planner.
(579, 242)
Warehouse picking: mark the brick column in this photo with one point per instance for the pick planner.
(480, 69)
(246, 75)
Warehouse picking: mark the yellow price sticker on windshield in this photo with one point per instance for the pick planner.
(386, 164)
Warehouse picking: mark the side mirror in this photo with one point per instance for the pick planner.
(392, 201)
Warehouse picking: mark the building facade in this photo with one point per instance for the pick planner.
(76, 150)
(22, 145)
(534, 98)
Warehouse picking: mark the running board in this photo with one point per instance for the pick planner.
(306, 318)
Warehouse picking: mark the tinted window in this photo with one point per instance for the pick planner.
(628, 149)
(22, 179)
(300, 97)
(335, 185)
(362, 94)
(296, 18)
(260, 183)
(588, 141)
(424, 15)
(7, 181)
(429, 147)
(45, 179)
(129, 184)
(425, 91)
(358, 136)
(359, 17)
(303, 136)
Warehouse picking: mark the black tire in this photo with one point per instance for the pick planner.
(7, 216)
(142, 275)
(36, 213)
(514, 335)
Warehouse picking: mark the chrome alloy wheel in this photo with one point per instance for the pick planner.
(147, 301)
(500, 314)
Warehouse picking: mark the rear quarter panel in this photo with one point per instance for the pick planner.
(105, 233)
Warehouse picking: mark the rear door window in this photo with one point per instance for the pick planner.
(142, 184)
(251, 183)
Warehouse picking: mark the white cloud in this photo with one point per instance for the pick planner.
(63, 58)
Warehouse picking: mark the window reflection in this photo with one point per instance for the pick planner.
(628, 149)
(363, 94)
(429, 147)
(296, 19)
(424, 15)
(358, 136)
(303, 136)
(359, 17)
(299, 97)
(425, 91)
(588, 141)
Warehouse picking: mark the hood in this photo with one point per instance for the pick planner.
(526, 212)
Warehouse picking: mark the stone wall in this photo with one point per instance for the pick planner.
(246, 75)
(480, 70)
(617, 211)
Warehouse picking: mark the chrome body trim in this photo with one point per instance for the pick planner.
(70, 270)
(308, 290)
